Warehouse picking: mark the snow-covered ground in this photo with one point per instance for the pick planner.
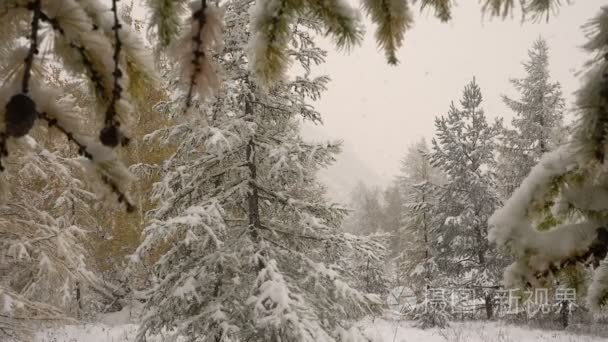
(90, 333)
(378, 330)
(404, 331)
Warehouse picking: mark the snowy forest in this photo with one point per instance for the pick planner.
(157, 183)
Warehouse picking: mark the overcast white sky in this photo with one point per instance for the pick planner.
(378, 109)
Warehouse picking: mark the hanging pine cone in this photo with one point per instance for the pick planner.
(20, 115)
(110, 136)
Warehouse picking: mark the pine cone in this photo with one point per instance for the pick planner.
(110, 136)
(20, 115)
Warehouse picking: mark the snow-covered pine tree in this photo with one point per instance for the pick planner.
(431, 312)
(366, 216)
(418, 182)
(44, 219)
(464, 149)
(243, 231)
(392, 210)
(556, 219)
(369, 265)
(372, 217)
(537, 126)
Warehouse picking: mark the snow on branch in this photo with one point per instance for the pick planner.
(597, 295)
(16, 310)
(197, 222)
(443, 8)
(271, 25)
(166, 19)
(268, 48)
(195, 48)
(393, 18)
(519, 226)
(111, 135)
(311, 207)
(536, 8)
(42, 232)
(79, 46)
(90, 40)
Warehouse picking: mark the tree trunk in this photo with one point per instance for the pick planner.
(253, 207)
(78, 299)
(541, 122)
(564, 313)
(489, 306)
(252, 197)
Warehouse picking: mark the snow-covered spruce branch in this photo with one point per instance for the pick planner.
(110, 134)
(536, 9)
(17, 310)
(138, 72)
(271, 25)
(442, 8)
(272, 20)
(41, 238)
(20, 112)
(292, 155)
(166, 19)
(393, 18)
(195, 48)
(35, 7)
(272, 228)
(94, 75)
(581, 239)
(269, 59)
(56, 249)
(111, 172)
(75, 29)
(192, 192)
(311, 207)
(222, 195)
